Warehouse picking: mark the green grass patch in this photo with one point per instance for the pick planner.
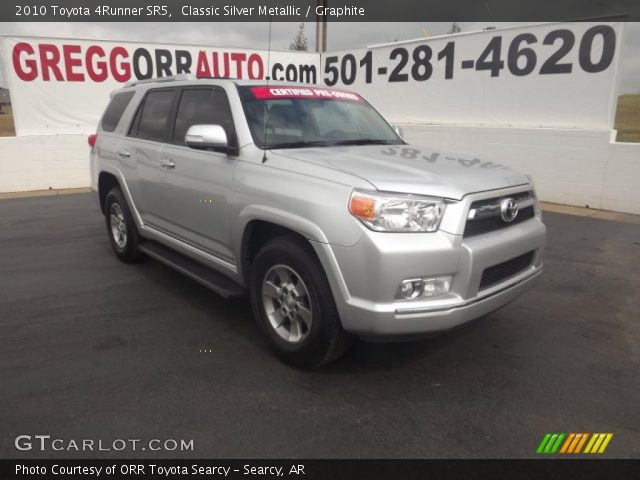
(628, 118)
(7, 129)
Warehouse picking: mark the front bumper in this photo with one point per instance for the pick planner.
(415, 321)
(365, 277)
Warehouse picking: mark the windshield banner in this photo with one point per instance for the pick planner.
(263, 93)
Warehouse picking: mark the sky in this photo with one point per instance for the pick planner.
(341, 35)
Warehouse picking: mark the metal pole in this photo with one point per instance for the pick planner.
(324, 27)
(318, 29)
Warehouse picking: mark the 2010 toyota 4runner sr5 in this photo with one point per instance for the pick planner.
(307, 199)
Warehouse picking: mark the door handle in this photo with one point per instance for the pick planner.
(124, 154)
(167, 163)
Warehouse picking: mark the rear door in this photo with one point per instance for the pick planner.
(111, 146)
(148, 131)
(199, 181)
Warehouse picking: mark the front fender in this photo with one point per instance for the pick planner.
(279, 217)
(298, 224)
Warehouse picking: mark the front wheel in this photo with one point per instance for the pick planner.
(294, 306)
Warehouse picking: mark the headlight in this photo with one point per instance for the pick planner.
(388, 212)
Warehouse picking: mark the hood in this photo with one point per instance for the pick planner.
(411, 169)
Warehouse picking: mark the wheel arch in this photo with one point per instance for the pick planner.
(257, 232)
(106, 182)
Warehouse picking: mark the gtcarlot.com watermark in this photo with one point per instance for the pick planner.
(48, 443)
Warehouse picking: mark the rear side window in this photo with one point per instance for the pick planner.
(152, 120)
(114, 111)
(206, 106)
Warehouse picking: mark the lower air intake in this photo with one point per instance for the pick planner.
(503, 271)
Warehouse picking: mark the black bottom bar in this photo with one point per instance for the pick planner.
(538, 469)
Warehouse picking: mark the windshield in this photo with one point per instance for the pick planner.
(298, 117)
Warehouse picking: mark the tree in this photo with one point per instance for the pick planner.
(300, 41)
(455, 28)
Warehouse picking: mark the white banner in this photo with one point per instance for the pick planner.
(561, 75)
(61, 86)
(547, 75)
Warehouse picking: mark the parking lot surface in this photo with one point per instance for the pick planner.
(91, 348)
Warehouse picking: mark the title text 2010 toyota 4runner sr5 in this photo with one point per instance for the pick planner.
(307, 199)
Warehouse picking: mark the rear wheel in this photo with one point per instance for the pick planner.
(121, 227)
(294, 306)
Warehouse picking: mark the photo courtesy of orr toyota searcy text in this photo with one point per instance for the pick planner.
(55, 62)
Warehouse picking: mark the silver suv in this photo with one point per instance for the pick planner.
(309, 201)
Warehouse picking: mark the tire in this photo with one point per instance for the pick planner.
(121, 228)
(290, 265)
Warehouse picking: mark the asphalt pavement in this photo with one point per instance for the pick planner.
(91, 348)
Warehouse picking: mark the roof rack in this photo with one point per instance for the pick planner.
(212, 77)
(171, 78)
(175, 78)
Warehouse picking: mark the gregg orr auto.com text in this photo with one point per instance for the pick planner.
(96, 63)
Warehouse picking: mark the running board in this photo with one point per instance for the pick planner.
(211, 279)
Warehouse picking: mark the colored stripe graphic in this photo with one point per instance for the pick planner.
(576, 444)
(547, 448)
(567, 442)
(581, 442)
(596, 446)
(605, 443)
(556, 445)
(594, 437)
(543, 443)
(577, 438)
(598, 442)
(572, 443)
(550, 443)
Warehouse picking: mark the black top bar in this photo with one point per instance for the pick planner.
(489, 11)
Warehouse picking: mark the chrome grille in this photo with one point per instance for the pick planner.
(484, 215)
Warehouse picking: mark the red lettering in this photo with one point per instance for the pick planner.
(238, 58)
(54, 60)
(31, 71)
(202, 70)
(70, 63)
(100, 72)
(255, 59)
(49, 60)
(124, 73)
(216, 72)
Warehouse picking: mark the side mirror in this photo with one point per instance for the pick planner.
(398, 130)
(206, 136)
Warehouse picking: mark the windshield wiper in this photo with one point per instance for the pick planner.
(333, 143)
(299, 144)
(365, 141)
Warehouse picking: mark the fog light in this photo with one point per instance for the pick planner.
(435, 286)
(424, 287)
(411, 288)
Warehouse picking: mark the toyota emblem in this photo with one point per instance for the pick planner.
(508, 209)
